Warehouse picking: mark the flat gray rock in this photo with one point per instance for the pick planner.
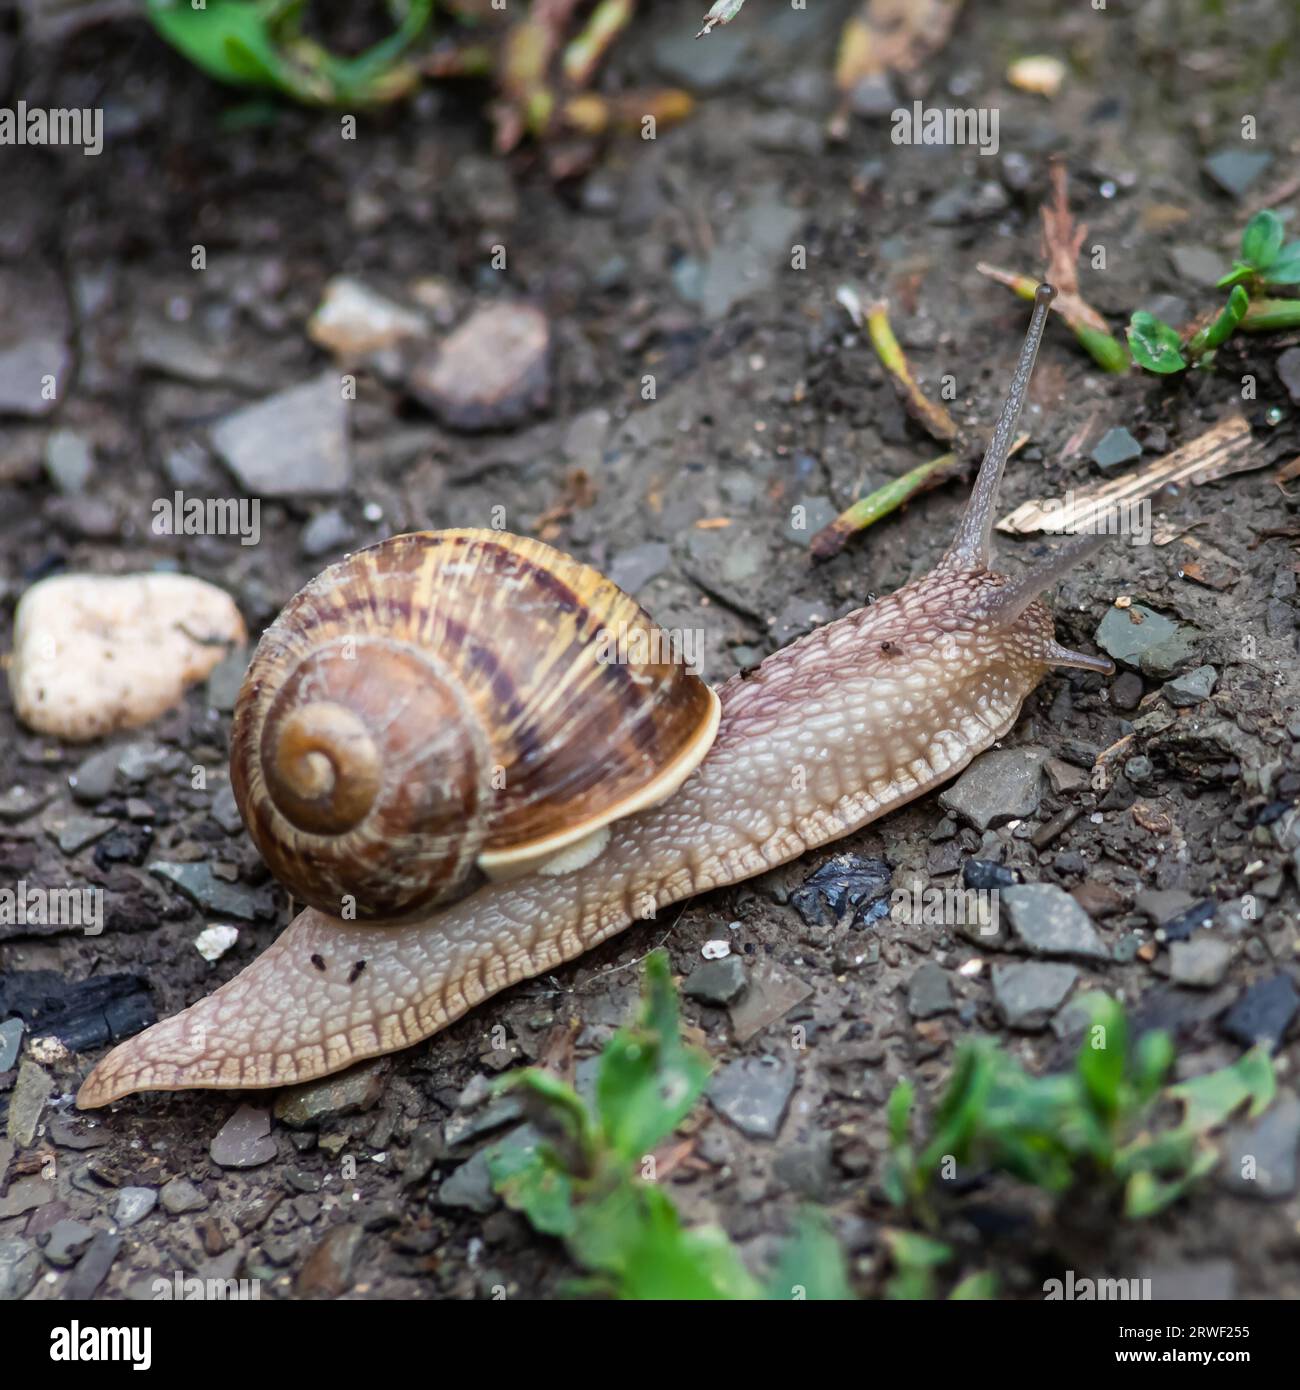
(1001, 785)
(753, 1092)
(1259, 1159)
(1147, 640)
(244, 1141)
(929, 991)
(1028, 994)
(292, 444)
(1200, 963)
(1047, 921)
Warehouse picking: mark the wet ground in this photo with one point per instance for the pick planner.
(671, 260)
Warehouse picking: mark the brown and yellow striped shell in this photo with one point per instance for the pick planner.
(449, 705)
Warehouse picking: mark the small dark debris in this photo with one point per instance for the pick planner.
(845, 882)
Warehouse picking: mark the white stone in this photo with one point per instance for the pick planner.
(213, 942)
(95, 653)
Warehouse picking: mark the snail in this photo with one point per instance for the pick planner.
(605, 790)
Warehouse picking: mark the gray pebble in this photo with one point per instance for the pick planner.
(69, 461)
(1259, 1159)
(198, 883)
(1191, 687)
(327, 531)
(1115, 447)
(929, 991)
(1200, 963)
(11, 1040)
(1047, 921)
(19, 802)
(753, 1092)
(19, 1267)
(1145, 639)
(95, 776)
(133, 1205)
(294, 443)
(225, 679)
(1235, 169)
(719, 982)
(633, 569)
(77, 832)
(68, 1242)
(469, 1187)
(1026, 995)
(26, 1101)
(180, 1195)
(244, 1141)
(1002, 785)
(225, 810)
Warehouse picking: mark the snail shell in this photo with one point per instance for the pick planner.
(449, 705)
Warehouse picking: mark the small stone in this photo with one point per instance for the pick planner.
(1263, 1013)
(96, 777)
(773, 991)
(93, 1267)
(718, 982)
(1115, 447)
(469, 1187)
(969, 202)
(847, 885)
(1235, 169)
(19, 802)
(716, 950)
(929, 992)
(133, 1205)
(180, 1195)
(77, 832)
(354, 320)
(226, 678)
(1141, 637)
(11, 1040)
(327, 532)
(1192, 687)
(1200, 963)
(95, 653)
(1064, 777)
(1161, 905)
(1126, 691)
(138, 762)
(1027, 995)
(1288, 371)
(1049, 922)
(986, 875)
(225, 810)
(327, 1271)
(292, 444)
(492, 372)
(26, 1101)
(68, 461)
(346, 1093)
(19, 1267)
(1260, 1157)
(213, 942)
(68, 1242)
(24, 1195)
(753, 1092)
(633, 569)
(1002, 785)
(201, 886)
(244, 1141)
(1197, 265)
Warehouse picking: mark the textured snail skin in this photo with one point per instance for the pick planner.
(831, 732)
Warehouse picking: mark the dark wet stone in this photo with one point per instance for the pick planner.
(984, 874)
(1141, 637)
(1235, 169)
(1191, 687)
(82, 1014)
(426, 1149)
(1263, 1013)
(124, 844)
(292, 444)
(718, 982)
(327, 1271)
(67, 1243)
(1115, 447)
(1200, 963)
(1047, 921)
(1259, 1159)
(133, 1205)
(1002, 785)
(1026, 995)
(180, 1196)
(846, 883)
(244, 1141)
(492, 372)
(201, 886)
(753, 1093)
(346, 1093)
(1181, 926)
(93, 1269)
(929, 992)
(19, 1267)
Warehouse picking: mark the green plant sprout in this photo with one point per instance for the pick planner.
(1160, 348)
(579, 1176)
(1094, 1124)
(260, 44)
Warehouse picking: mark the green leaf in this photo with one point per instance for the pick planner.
(1103, 1056)
(1222, 328)
(1285, 269)
(981, 1286)
(1239, 272)
(648, 1078)
(915, 1258)
(1145, 1194)
(1209, 1100)
(1153, 1057)
(1262, 239)
(532, 1182)
(1154, 344)
(811, 1265)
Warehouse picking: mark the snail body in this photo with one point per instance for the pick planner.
(851, 721)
